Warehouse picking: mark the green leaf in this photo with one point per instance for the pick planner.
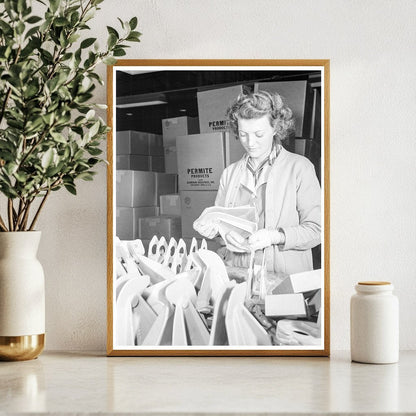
(21, 176)
(112, 41)
(49, 118)
(46, 56)
(112, 31)
(94, 129)
(82, 98)
(133, 38)
(67, 56)
(10, 168)
(20, 28)
(70, 188)
(61, 21)
(31, 32)
(90, 115)
(110, 60)
(47, 158)
(86, 176)
(119, 52)
(58, 137)
(33, 19)
(74, 18)
(63, 41)
(133, 23)
(73, 38)
(52, 171)
(5, 27)
(53, 5)
(94, 151)
(87, 42)
(35, 125)
(121, 23)
(31, 90)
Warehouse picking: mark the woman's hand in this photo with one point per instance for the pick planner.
(206, 229)
(236, 243)
(264, 238)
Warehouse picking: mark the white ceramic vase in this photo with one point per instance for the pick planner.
(22, 296)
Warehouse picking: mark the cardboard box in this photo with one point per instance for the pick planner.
(157, 163)
(300, 282)
(298, 97)
(166, 183)
(288, 305)
(314, 303)
(212, 108)
(170, 204)
(155, 142)
(171, 159)
(123, 162)
(136, 188)
(162, 226)
(234, 150)
(178, 126)
(192, 205)
(127, 220)
(132, 142)
(133, 162)
(203, 157)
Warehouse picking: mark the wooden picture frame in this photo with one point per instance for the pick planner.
(166, 80)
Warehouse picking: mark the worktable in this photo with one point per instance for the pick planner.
(85, 383)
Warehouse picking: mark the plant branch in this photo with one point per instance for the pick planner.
(19, 215)
(3, 107)
(39, 209)
(26, 216)
(22, 213)
(10, 213)
(2, 224)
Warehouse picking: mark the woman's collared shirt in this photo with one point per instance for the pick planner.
(252, 189)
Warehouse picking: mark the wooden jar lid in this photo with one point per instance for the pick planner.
(374, 283)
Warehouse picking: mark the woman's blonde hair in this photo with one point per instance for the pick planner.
(258, 104)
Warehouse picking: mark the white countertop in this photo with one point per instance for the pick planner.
(83, 382)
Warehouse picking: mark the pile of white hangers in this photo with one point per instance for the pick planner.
(179, 298)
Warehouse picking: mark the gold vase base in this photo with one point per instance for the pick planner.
(21, 348)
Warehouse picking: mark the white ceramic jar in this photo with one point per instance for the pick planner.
(374, 323)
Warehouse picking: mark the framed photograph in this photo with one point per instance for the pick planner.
(218, 208)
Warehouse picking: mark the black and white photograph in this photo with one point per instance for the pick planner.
(218, 209)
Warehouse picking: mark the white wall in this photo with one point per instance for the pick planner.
(371, 45)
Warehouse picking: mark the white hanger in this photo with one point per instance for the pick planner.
(170, 253)
(180, 258)
(161, 249)
(152, 250)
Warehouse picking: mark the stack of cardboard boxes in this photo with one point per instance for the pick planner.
(137, 198)
(137, 150)
(140, 182)
(172, 128)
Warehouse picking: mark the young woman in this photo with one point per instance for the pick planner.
(281, 185)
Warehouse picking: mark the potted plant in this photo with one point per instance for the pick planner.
(50, 138)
